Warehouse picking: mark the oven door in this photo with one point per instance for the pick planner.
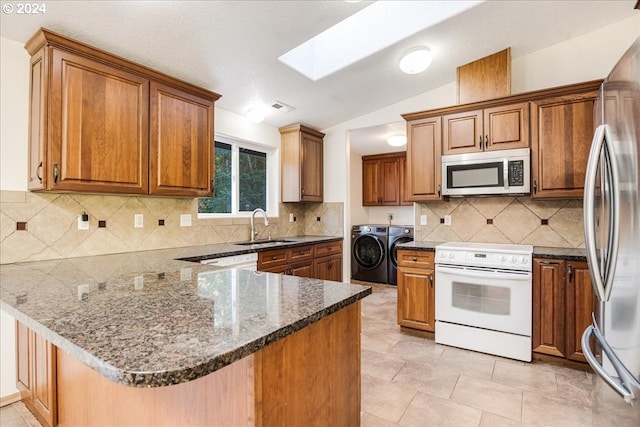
(484, 298)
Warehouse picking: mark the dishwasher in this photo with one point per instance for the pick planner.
(243, 261)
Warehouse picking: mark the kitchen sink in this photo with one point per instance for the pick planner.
(265, 242)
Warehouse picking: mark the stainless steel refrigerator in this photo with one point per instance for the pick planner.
(612, 242)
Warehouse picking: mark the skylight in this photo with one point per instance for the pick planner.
(368, 31)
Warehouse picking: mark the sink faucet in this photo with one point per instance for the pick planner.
(253, 217)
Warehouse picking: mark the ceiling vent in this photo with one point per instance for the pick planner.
(281, 106)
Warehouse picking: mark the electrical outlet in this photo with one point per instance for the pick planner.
(185, 274)
(185, 220)
(82, 225)
(138, 283)
(83, 292)
(138, 221)
(390, 216)
(447, 220)
(291, 217)
(423, 220)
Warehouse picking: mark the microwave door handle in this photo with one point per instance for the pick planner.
(589, 212)
(505, 173)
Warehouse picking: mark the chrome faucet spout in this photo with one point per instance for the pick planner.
(253, 217)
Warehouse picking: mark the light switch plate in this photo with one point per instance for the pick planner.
(447, 220)
(185, 220)
(423, 220)
(138, 283)
(138, 221)
(291, 218)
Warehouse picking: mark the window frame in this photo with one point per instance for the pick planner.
(272, 181)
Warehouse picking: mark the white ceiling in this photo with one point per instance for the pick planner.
(231, 47)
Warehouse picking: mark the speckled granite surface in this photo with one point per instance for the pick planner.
(568, 254)
(144, 319)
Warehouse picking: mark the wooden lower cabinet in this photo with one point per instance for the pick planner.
(416, 290)
(309, 378)
(320, 261)
(36, 371)
(563, 301)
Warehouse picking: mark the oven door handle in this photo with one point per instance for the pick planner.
(482, 274)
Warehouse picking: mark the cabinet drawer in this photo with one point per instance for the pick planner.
(268, 259)
(415, 259)
(329, 248)
(302, 253)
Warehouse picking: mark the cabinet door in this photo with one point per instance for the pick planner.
(44, 380)
(329, 268)
(390, 185)
(506, 127)
(304, 269)
(181, 148)
(98, 127)
(548, 307)
(416, 298)
(561, 132)
(370, 182)
(463, 133)
(424, 166)
(38, 122)
(311, 168)
(23, 358)
(580, 302)
(403, 182)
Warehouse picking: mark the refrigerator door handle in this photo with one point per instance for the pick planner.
(602, 280)
(624, 388)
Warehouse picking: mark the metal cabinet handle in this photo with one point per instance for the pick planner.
(56, 173)
(415, 259)
(486, 141)
(535, 186)
(38, 172)
(431, 280)
(438, 190)
(302, 191)
(274, 257)
(570, 273)
(480, 143)
(330, 264)
(548, 262)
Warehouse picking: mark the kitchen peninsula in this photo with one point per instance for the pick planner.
(146, 339)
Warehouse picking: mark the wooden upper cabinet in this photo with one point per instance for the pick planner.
(497, 128)
(424, 142)
(98, 127)
(90, 124)
(301, 164)
(403, 181)
(561, 133)
(381, 179)
(182, 143)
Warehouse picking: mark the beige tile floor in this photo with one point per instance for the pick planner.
(411, 381)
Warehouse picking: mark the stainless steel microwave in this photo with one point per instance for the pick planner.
(487, 173)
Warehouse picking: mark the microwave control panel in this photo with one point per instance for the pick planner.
(516, 173)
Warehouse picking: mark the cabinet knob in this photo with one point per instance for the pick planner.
(274, 258)
(415, 259)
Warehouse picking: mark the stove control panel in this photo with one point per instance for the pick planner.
(517, 260)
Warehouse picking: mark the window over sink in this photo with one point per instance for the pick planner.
(242, 178)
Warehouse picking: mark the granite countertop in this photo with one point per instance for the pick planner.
(145, 319)
(569, 254)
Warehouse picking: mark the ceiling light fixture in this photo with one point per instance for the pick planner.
(397, 140)
(416, 60)
(256, 114)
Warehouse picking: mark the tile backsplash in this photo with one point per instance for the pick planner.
(52, 232)
(516, 220)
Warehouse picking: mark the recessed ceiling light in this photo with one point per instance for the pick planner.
(416, 60)
(256, 114)
(397, 140)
